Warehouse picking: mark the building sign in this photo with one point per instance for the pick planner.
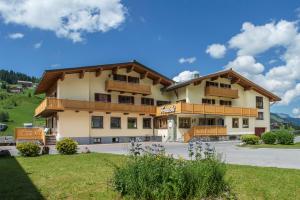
(168, 109)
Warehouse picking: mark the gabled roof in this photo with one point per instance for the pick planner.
(51, 76)
(235, 78)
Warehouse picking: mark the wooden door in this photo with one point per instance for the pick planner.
(259, 131)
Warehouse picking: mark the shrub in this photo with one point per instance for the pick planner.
(285, 137)
(250, 139)
(157, 176)
(4, 116)
(45, 150)
(66, 146)
(269, 138)
(28, 149)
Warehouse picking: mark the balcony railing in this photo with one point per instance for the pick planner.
(221, 92)
(30, 134)
(50, 105)
(202, 131)
(189, 108)
(122, 86)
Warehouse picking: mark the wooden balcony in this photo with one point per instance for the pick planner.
(221, 92)
(51, 105)
(30, 134)
(189, 108)
(122, 86)
(203, 131)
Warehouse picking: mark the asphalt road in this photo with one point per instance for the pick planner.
(229, 151)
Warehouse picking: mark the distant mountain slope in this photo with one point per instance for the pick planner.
(284, 118)
(12, 77)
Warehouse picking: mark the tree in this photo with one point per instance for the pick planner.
(4, 116)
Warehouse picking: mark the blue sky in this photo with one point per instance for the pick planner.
(157, 33)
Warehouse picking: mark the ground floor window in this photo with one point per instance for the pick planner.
(115, 122)
(97, 140)
(260, 116)
(184, 122)
(161, 123)
(235, 122)
(115, 140)
(245, 123)
(147, 123)
(97, 121)
(131, 122)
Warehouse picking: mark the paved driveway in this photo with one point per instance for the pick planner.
(283, 158)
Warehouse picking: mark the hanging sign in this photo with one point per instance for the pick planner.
(168, 109)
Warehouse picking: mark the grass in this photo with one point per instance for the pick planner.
(277, 146)
(87, 176)
(22, 113)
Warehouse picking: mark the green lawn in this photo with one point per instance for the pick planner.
(23, 112)
(88, 176)
(278, 146)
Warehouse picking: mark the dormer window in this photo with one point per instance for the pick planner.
(118, 77)
(213, 84)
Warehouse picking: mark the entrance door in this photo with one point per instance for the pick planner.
(259, 131)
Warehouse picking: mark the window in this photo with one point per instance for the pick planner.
(161, 103)
(131, 122)
(260, 116)
(245, 123)
(214, 84)
(223, 85)
(259, 102)
(132, 79)
(225, 103)
(235, 122)
(126, 99)
(147, 123)
(102, 97)
(184, 122)
(160, 123)
(97, 121)
(118, 77)
(208, 101)
(115, 122)
(115, 140)
(181, 100)
(97, 140)
(147, 101)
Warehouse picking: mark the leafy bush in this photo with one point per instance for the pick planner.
(28, 149)
(269, 138)
(66, 146)
(250, 139)
(4, 116)
(153, 175)
(45, 150)
(285, 137)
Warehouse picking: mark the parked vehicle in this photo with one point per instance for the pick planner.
(3, 127)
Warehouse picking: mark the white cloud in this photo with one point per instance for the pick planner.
(284, 79)
(68, 18)
(257, 39)
(185, 76)
(296, 111)
(15, 36)
(216, 50)
(246, 64)
(38, 45)
(189, 60)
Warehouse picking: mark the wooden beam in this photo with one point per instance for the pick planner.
(247, 88)
(143, 75)
(115, 70)
(197, 82)
(98, 72)
(62, 76)
(81, 74)
(235, 80)
(214, 78)
(156, 81)
(130, 69)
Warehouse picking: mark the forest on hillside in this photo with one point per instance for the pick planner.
(12, 77)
